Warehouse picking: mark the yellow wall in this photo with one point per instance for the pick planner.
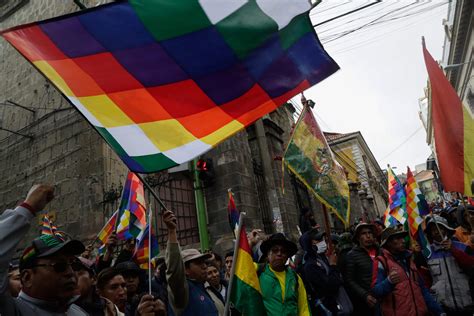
(346, 159)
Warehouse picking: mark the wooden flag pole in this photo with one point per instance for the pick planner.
(148, 186)
(327, 228)
(234, 262)
(150, 212)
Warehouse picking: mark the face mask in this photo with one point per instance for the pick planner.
(320, 247)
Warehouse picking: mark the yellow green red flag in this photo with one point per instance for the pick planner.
(246, 295)
(309, 157)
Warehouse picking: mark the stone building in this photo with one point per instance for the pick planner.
(44, 139)
(365, 176)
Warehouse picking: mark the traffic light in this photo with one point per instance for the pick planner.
(206, 171)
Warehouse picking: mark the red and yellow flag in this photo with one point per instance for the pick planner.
(246, 295)
(453, 126)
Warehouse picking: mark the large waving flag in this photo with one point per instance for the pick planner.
(416, 205)
(132, 209)
(144, 250)
(453, 127)
(309, 157)
(233, 213)
(396, 197)
(246, 295)
(147, 73)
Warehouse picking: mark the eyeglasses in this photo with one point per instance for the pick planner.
(62, 266)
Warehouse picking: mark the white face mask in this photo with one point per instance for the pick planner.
(322, 247)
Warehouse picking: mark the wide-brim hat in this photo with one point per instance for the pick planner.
(436, 219)
(391, 232)
(278, 239)
(194, 254)
(359, 227)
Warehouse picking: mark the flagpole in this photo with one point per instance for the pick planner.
(150, 212)
(327, 228)
(148, 186)
(234, 262)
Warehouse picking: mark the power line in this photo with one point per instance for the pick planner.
(347, 13)
(380, 36)
(403, 143)
(410, 14)
(367, 24)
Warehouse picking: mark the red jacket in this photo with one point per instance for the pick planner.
(406, 298)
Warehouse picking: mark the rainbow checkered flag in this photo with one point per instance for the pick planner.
(396, 197)
(164, 81)
(48, 228)
(416, 205)
(132, 209)
(144, 250)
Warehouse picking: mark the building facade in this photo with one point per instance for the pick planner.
(364, 173)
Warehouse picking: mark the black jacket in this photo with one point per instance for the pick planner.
(322, 281)
(358, 277)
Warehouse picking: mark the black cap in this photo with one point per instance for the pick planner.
(48, 245)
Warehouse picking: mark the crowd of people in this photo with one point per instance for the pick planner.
(369, 270)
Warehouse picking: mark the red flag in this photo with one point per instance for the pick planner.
(453, 128)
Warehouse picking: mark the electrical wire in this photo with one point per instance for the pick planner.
(369, 23)
(380, 36)
(403, 143)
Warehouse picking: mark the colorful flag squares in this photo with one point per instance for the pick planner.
(48, 228)
(396, 197)
(415, 202)
(144, 249)
(108, 228)
(147, 73)
(453, 129)
(132, 209)
(233, 213)
(246, 295)
(309, 157)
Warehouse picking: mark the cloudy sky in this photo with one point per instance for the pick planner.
(382, 74)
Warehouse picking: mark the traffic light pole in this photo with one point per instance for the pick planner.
(200, 208)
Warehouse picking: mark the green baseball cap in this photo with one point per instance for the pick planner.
(48, 245)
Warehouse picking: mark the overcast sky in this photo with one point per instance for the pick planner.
(382, 75)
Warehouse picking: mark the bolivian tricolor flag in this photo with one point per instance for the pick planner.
(309, 157)
(453, 127)
(246, 295)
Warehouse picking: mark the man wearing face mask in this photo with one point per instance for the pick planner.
(322, 278)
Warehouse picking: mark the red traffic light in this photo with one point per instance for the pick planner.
(201, 165)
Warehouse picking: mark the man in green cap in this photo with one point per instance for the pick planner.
(46, 266)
